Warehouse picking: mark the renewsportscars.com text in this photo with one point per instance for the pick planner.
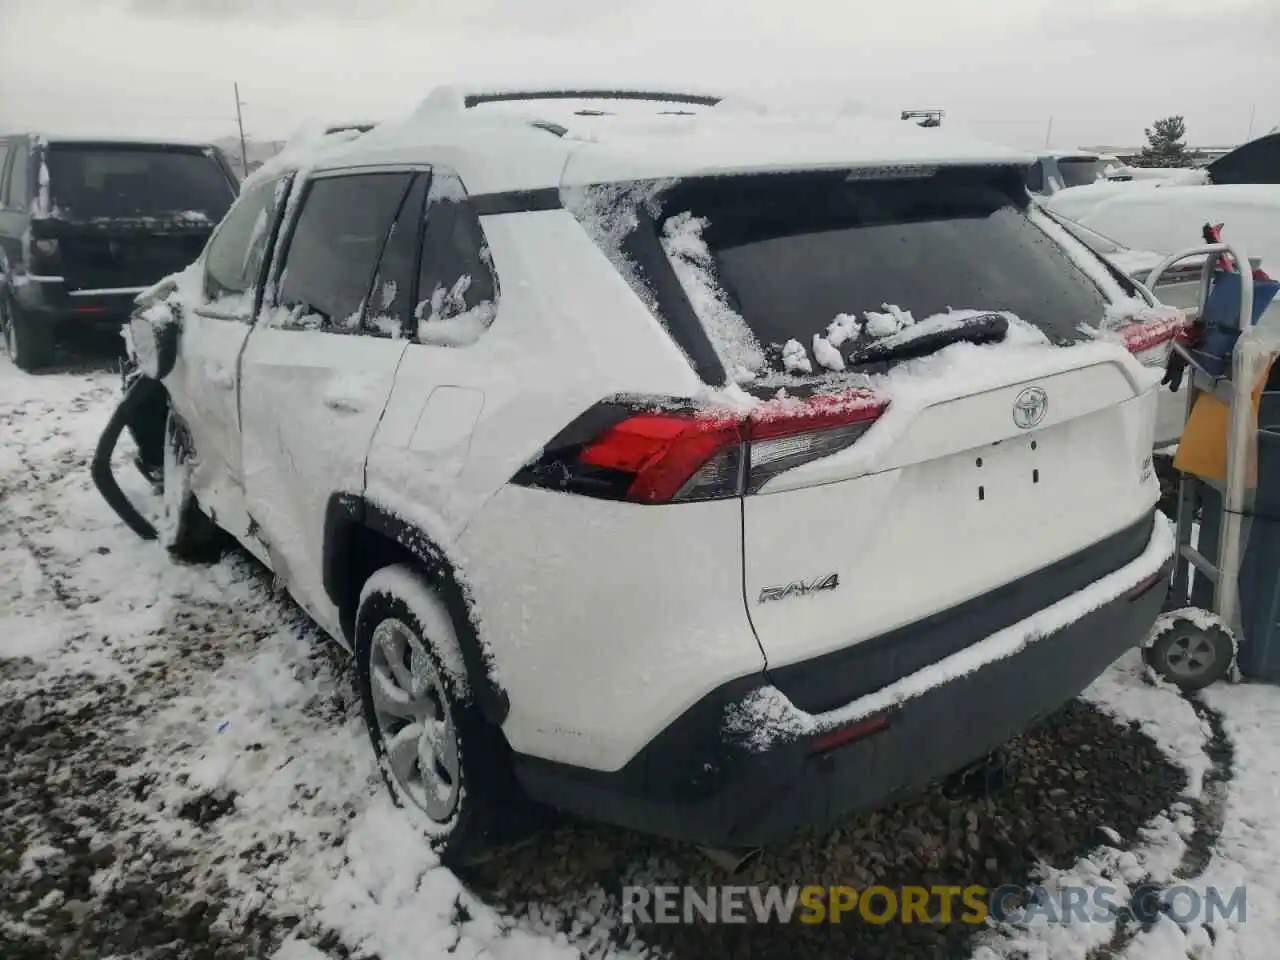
(926, 905)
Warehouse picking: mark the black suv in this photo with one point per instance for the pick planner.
(85, 225)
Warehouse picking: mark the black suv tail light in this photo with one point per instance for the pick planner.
(43, 256)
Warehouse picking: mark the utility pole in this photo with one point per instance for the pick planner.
(1253, 114)
(244, 152)
(1048, 134)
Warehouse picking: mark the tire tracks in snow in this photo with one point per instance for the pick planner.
(38, 481)
(1208, 813)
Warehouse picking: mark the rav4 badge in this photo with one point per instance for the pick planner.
(800, 588)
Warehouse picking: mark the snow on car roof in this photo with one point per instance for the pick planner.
(526, 144)
(1070, 154)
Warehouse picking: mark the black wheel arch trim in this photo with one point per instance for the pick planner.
(135, 398)
(347, 513)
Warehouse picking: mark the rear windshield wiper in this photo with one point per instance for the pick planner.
(913, 343)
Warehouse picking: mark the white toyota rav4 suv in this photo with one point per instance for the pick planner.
(674, 463)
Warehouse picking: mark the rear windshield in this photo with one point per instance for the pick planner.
(1080, 171)
(793, 252)
(88, 182)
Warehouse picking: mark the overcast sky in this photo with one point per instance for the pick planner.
(1102, 69)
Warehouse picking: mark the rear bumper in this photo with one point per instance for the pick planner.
(48, 299)
(739, 768)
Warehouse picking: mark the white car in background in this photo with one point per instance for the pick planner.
(1165, 221)
(1057, 170)
(1179, 287)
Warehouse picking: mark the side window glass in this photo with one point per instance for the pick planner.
(334, 249)
(233, 262)
(457, 287)
(1035, 177)
(390, 305)
(16, 197)
(4, 154)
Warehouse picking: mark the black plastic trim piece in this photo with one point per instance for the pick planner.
(644, 248)
(555, 468)
(134, 399)
(344, 516)
(516, 201)
(830, 681)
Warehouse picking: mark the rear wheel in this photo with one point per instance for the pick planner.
(440, 759)
(28, 342)
(182, 528)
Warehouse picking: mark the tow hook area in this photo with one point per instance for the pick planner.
(978, 780)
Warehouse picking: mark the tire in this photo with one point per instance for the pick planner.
(1191, 654)
(28, 343)
(182, 528)
(406, 644)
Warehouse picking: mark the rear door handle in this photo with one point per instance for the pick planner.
(347, 396)
(344, 404)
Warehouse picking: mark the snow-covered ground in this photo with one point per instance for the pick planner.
(183, 773)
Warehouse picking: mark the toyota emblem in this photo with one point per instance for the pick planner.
(1029, 408)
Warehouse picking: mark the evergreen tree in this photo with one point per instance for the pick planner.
(1166, 145)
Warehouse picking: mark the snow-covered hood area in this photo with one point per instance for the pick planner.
(1166, 221)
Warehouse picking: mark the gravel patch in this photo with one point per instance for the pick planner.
(1079, 773)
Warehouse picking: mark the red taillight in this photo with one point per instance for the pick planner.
(1142, 588)
(661, 451)
(660, 456)
(1151, 341)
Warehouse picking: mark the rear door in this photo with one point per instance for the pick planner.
(990, 463)
(203, 385)
(320, 364)
(125, 215)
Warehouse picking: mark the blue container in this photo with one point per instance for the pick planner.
(1259, 655)
(1221, 318)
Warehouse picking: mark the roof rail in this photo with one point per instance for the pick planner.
(449, 100)
(661, 96)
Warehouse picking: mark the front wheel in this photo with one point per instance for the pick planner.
(440, 759)
(182, 528)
